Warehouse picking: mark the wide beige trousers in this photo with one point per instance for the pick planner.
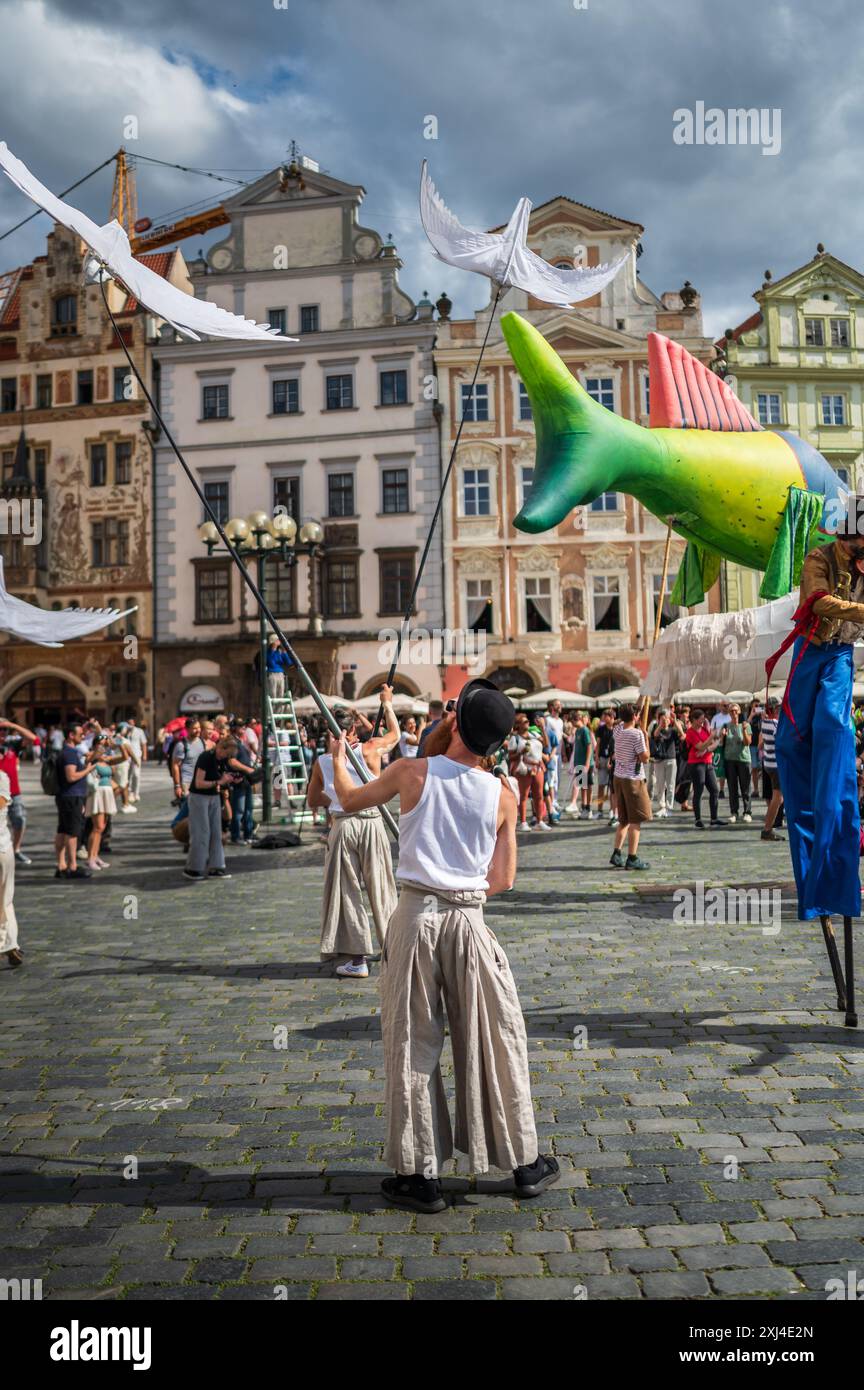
(438, 952)
(8, 920)
(358, 856)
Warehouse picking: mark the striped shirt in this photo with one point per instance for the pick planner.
(769, 733)
(629, 743)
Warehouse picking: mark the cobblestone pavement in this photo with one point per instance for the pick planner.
(708, 1120)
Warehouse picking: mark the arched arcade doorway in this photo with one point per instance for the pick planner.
(46, 699)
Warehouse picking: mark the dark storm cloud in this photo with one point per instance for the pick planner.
(538, 99)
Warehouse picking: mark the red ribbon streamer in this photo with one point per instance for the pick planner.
(805, 622)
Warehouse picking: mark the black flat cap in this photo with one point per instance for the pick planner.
(484, 717)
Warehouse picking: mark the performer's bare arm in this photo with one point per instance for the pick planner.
(18, 729)
(374, 747)
(501, 873)
(404, 779)
(315, 793)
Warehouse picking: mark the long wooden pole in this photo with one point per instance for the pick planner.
(659, 614)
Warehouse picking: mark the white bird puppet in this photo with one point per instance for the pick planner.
(110, 245)
(504, 256)
(48, 629)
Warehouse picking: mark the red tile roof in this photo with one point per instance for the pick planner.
(10, 296)
(753, 322)
(160, 263)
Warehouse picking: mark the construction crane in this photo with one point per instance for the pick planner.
(143, 236)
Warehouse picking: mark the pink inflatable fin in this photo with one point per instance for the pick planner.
(685, 395)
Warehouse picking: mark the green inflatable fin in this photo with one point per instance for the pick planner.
(698, 573)
(797, 535)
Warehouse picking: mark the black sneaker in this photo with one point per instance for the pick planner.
(715, 823)
(699, 824)
(218, 873)
(414, 1191)
(617, 860)
(769, 835)
(634, 862)
(196, 878)
(533, 1178)
(59, 873)
(79, 873)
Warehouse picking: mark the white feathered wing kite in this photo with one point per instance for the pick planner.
(49, 628)
(110, 245)
(504, 256)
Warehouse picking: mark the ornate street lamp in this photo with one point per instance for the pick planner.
(256, 537)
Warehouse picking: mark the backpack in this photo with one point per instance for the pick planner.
(49, 772)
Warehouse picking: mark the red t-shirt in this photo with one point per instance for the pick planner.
(9, 765)
(693, 738)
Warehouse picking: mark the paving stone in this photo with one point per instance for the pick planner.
(269, 1170)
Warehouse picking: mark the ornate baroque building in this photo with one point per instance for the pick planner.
(574, 607)
(798, 364)
(338, 428)
(74, 443)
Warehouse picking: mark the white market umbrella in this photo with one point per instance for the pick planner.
(402, 704)
(627, 695)
(570, 699)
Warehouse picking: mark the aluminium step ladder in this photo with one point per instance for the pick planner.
(289, 773)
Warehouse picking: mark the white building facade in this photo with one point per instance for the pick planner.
(339, 428)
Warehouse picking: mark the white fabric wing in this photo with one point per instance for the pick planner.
(555, 285)
(504, 256)
(50, 628)
(110, 244)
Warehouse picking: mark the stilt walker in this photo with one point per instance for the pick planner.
(358, 855)
(815, 741)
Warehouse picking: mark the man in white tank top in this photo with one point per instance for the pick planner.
(358, 855)
(457, 845)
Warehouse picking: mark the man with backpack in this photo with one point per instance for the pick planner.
(185, 753)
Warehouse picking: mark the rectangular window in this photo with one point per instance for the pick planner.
(64, 319)
(524, 403)
(394, 483)
(308, 318)
(282, 587)
(44, 392)
(606, 502)
(217, 495)
(769, 407)
(833, 410)
(476, 492)
(340, 392)
(397, 579)
(840, 333)
(123, 388)
(475, 405)
(394, 388)
(276, 319)
(109, 543)
(602, 390)
(814, 332)
(646, 394)
(214, 403)
(340, 494)
(8, 461)
(671, 611)
(85, 388)
(538, 603)
(98, 465)
(340, 588)
(607, 603)
(213, 592)
(286, 396)
(9, 394)
(286, 497)
(842, 474)
(479, 613)
(40, 467)
(123, 462)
